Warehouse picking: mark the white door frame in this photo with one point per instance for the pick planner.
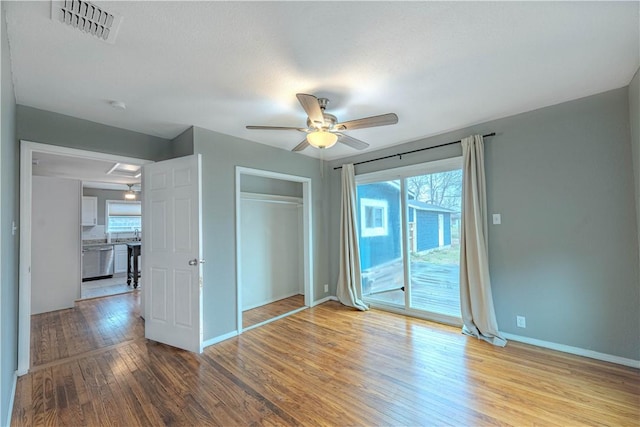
(307, 238)
(27, 148)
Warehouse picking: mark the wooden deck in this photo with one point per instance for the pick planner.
(328, 365)
(434, 287)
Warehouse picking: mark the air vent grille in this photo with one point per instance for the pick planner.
(87, 17)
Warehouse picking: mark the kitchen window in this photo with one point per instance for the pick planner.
(123, 216)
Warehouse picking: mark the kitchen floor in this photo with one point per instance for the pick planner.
(106, 287)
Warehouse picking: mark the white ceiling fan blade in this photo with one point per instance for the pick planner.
(352, 142)
(312, 108)
(304, 144)
(368, 122)
(275, 128)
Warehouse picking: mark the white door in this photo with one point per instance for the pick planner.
(55, 243)
(172, 252)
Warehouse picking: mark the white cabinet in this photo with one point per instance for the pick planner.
(120, 263)
(89, 210)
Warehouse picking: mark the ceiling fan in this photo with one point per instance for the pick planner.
(323, 129)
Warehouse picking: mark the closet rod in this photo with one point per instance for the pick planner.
(412, 151)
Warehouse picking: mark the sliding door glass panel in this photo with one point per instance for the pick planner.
(434, 205)
(380, 239)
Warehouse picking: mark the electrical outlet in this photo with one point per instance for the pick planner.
(497, 219)
(326, 288)
(521, 321)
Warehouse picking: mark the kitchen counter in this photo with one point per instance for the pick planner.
(90, 243)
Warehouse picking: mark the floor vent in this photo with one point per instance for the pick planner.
(87, 17)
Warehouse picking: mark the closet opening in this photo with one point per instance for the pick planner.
(273, 246)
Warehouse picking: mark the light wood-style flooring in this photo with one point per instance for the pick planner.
(269, 311)
(106, 287)
(91, 325)
(327, 365)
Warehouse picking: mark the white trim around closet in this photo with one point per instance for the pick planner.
(307, 237)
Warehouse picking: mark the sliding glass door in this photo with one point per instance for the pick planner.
(433, 202)
(381, 249)
(409, 230)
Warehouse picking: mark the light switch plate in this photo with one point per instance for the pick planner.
(497, 219)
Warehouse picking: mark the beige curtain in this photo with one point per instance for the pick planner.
(349, 291)
(476, 300)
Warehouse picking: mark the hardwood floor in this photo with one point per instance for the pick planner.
(269, 311)
(328, 365)
(93, 324)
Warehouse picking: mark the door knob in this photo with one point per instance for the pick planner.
(195, 261)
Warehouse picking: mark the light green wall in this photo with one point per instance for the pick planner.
(566, 254)
(262, 185)
(220, 155)
(8, 242)
(634, 124)
(57, 129)
(182, 145)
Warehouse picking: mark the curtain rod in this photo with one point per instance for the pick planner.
(412, 151)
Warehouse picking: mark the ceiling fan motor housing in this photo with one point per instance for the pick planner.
(329, 122)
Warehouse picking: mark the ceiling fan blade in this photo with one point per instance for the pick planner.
(304, 144)
(368, 122)
(352, 142)
(276, 128)
(311, 107)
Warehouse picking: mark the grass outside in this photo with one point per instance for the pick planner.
(449, 255)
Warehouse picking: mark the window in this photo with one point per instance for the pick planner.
(123, 217)
(373, 217)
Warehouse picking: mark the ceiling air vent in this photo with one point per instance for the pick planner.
(87, 17)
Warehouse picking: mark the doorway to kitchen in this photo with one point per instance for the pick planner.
(409, 224)
(61, 262)
(107, 237)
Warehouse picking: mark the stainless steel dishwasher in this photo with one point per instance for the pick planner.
(97, 261)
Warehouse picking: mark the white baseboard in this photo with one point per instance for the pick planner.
(325, 299)
(219, 338)
(575, 350)
(12, 398)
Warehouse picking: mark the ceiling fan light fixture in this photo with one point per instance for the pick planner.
(322, 139)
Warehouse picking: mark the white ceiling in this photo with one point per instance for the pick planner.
(223, 65)
(92, 172)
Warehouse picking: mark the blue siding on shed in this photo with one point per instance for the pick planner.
(428, 234)
(447, 229)
(376, 250)
(427, 230)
